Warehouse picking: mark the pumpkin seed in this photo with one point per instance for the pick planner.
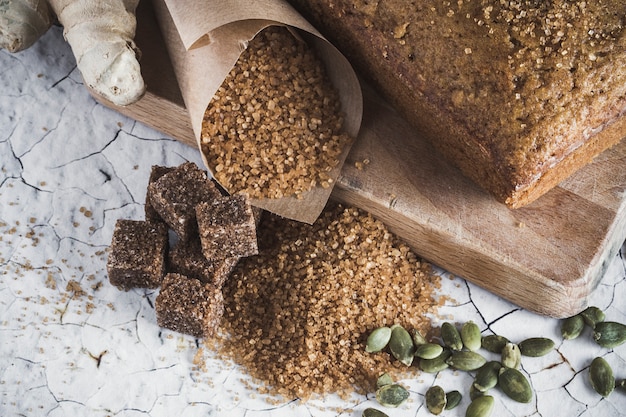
(515, 385)
(453, 398)
(511, 356)
(572, 327)
(480, 407)
(378, 339)
(466, 360)
(592, 316)
(401, 345)
(601, 377)
(470, 335)
(436, 399)
(474, 393)
(372, 412)
(536, 346)
(494, 343)
(384, 379)
(487, 376)
(451, 336)
(391, 395)
(418, 339)
(432, 366)
(609, 334)
(428, 351)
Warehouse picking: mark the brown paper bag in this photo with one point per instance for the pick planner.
(205, 39)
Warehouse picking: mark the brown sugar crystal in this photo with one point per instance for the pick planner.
(227, 227)
(188, 306)
(301, 310)
(186, 258)
(274, 127)
(175, 194)
(137, 254)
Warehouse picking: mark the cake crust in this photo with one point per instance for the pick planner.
(516, 94)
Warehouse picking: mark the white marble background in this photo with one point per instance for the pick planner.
(72, 345)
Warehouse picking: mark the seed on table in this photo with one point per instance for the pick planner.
(401, 345)
(572, 327)
(453, 398)
(515, 385)
(609, 334)
(372, 412)
(601, 377)
(466, 360)
(536, 346)
(418, 339)
(436, 399)
(592, 316)
(384, 379)
(511, 356)
(428, 351)
(451, 336)
(391, 395)
(378, 339)
(480, 407)
(432, 366)
(470, 335)
(475, 393)
(494, 343)
(487, 376)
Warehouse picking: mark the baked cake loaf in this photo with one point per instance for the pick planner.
(517, 94)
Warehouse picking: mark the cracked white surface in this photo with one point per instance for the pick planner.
(69, 169)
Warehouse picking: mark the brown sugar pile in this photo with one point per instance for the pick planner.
(274, 127)
(297, 315)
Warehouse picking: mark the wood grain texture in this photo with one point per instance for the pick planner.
(546, 257)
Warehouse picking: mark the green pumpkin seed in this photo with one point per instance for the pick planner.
(401, 345)
(536, 346)
(451, 336)
(480, 407)
(511, 356)
(428, 351)
(432, 366)
(436, 399)
(487, 376)
(418, 339)
(372, 412)
(384, 379)
(592, 316)
(515, 385)
(474, 393)
(453, 399)
(391, 395)
(609, 334)
(470, 335)
(466, 360)
(601, 377)
(378, 339)
(494, 343)
(572, 327)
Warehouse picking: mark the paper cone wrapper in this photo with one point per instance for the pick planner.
(205, 39)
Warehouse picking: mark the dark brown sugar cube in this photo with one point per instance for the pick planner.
(186, 305)
(186, 258)
(175, 195)
(156, 173)
(227, 227)
(137, 254)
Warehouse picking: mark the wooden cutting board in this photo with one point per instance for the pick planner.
(546, 257)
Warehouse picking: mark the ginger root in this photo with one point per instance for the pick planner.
(101, 34)
(22, 22)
